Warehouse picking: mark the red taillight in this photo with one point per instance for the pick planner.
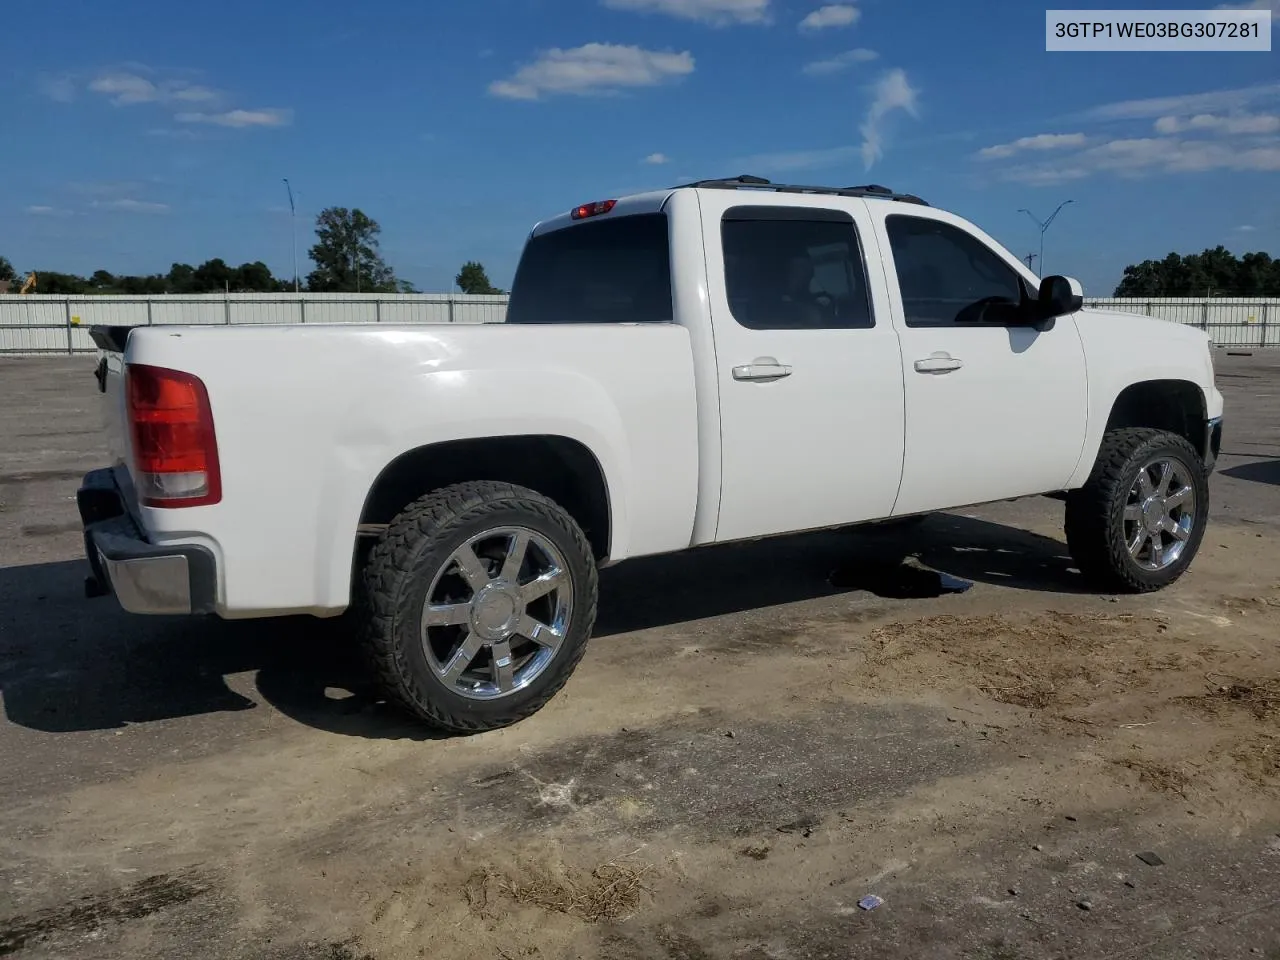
(175, 452)
(592, 209)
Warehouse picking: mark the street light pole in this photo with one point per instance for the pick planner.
(1043, 225)
(293, 226)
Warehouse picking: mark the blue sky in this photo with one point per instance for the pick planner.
(142, 133)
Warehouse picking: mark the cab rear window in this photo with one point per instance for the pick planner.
(612, 270)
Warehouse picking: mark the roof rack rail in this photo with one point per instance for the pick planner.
(748, 182)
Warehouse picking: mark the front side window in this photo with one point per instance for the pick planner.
(605, 271)
(794, 269)
(947, 276)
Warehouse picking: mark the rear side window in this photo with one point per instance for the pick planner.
(794, 268)
(605, 271)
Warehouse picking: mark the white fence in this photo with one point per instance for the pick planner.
(1230, 321)
(53, 324)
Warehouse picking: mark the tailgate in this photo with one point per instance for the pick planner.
(109, 374)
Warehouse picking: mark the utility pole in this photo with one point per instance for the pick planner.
(1029, 257)
(1043, 225)
(293, 225)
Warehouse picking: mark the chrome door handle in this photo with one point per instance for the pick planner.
(761, 369)
(938, 363)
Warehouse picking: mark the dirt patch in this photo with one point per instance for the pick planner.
(500, 899)
(610, 891)
(1050, 660)
(91, 912)
(1258, 760)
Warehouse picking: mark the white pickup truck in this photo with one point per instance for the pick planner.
(722, 361)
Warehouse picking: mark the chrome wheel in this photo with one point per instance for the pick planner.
(497, 612)
(1159, 514)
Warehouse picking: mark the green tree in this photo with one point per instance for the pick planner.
(1217, 272)
(346, 254)
(182, 278)
(53, 282)
(472, 279)
(6, 270)
(254, 278)
(212, 276)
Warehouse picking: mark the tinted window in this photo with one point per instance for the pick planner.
(944, 271)
(784, 272)
(605, 271)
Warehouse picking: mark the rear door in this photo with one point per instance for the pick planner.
(809, 370)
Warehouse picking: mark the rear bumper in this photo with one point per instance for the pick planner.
(146, 578)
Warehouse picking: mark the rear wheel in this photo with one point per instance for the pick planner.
(477, 605)
(1137, 523)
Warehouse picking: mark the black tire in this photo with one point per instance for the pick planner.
(399, 572)
(1095, 525)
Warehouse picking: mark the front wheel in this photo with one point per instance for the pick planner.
(477, 605)
(1137, 523)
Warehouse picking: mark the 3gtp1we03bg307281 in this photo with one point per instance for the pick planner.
(721, 361)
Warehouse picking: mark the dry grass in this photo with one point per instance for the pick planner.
(1163, 777)
(1259, 697)
(609, 892)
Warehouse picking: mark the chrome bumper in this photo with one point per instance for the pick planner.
(144, 577)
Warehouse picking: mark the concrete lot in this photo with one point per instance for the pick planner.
(745, 752)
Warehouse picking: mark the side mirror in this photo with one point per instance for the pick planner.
(1060, 295)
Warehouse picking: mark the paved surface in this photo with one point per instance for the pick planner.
(745, 752)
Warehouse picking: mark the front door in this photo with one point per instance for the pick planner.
(810, 377)
(994, 410)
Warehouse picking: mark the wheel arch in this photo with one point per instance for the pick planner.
(1160, 403)
(559, 467)
(1178, 406)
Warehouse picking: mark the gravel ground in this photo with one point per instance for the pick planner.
(745, 752)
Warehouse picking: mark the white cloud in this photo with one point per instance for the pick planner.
(1246, 228)
(1185, 105)
(657, 159)
(264, 117)
(104, 188)
(593, 69)
(1042, 141)
(60, 88)
(1188, 133)
(1143, 156)
(1257, 124)
(892, 92)
(40, 210)
(715, 12)
(125, 88)
(129, 88)
(840, 62)
(832, 15)
(129, 205)
(1272, 5)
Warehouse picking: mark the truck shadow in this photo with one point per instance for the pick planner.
(1261, 471)
(712, 581)
(68, 664)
